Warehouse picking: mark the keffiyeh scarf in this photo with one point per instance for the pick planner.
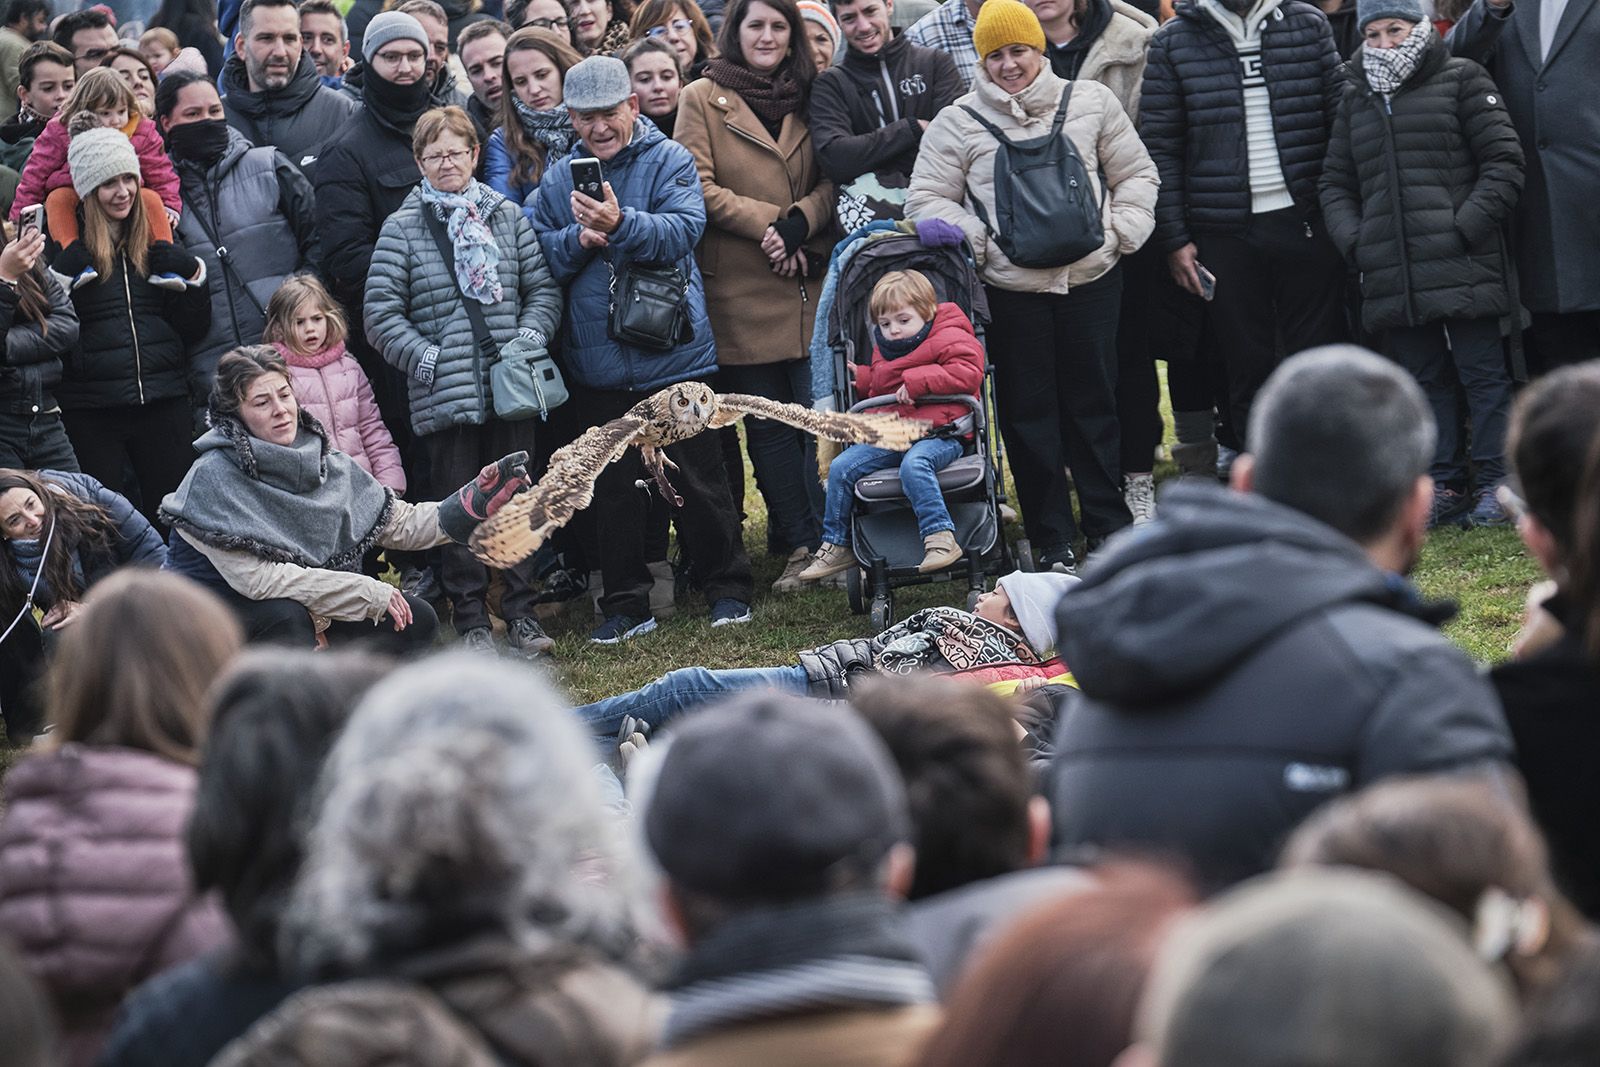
(1388, 68)
(477, 253)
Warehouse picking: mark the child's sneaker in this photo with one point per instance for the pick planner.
(73, 268)
(168, 281)
(830, 560)
(942, 552)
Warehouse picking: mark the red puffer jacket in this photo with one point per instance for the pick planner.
(949, 361)
(94, 886)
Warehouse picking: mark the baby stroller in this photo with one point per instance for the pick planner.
(883, 529)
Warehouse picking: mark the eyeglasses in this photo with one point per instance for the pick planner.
(676, 24)
(402, 57)
(439, 159)
(549, 24)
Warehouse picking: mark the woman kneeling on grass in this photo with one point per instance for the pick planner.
(276, 521)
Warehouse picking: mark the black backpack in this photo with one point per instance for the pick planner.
(1044, 203)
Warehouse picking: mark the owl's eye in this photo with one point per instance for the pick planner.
(683, 401)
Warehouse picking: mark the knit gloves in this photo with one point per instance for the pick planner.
(462, 511)
(792, 228)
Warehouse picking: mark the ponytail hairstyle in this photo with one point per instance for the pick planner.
(527, 154)
(101, 89)
(296, 291)
(79, 527)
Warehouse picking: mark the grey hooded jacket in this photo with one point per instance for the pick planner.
(257, 206)
(1243, 664)
(416, 319)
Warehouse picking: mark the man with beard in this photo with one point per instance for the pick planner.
(1250, 655)
(25, 23)
(363, 176)
(1238, 101)
(441, 81)
(271, 92)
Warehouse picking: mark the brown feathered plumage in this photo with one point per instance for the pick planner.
(674, 414)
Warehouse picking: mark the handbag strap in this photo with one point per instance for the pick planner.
(224, 256)
(480, 328)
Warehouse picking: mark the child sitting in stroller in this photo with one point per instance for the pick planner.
(921, 348)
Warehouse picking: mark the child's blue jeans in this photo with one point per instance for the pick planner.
(919, 475)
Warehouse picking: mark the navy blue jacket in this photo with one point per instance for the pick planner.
(1191, 116)
(136, 541)
(663, 216)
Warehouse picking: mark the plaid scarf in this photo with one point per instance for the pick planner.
(1388, 68)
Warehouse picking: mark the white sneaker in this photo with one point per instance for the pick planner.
(1139, 491)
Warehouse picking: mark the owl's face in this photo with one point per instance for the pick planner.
(691, 405)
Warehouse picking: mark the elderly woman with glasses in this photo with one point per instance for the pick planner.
(452, 241)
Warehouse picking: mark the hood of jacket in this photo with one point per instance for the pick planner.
(1038, 101)
(1126, 39)
(1180, 601)
(291, 98)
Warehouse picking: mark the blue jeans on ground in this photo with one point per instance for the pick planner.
(685, 688)
(919, 477)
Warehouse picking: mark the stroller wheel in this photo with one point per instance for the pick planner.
(882, 612)
(1024, 551)
(855, 589)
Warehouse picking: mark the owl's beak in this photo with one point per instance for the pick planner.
(699, 411)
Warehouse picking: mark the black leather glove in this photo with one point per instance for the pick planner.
(792, 228)
(168, 258)
(460, 513)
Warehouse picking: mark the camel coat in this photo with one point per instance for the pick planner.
(749, 182)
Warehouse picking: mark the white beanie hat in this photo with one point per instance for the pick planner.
(1033, 601)
(96, 156)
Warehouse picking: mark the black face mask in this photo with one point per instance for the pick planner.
(398, 105)
(200, 142)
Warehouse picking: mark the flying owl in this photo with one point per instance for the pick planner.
(674, 414)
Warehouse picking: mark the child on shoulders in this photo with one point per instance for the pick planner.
(921, 348)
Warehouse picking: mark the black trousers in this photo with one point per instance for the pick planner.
(1280, 290)
(784, 458)
(389, 389)
(1144, 277)
(1555, 340)
(1467, 361)
(1055, 376)
(287, 622)
(156, 440)
(35, 442)
(707, 523)
(22, 663)
(455, 456)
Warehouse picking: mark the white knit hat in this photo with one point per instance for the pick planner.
(1034, 597)
(96, 156)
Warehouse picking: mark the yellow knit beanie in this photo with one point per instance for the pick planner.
(1003, 22)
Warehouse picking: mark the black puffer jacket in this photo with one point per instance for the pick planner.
(33, 355)
(1191, 116)
(1243, 664)
(133, 341)
(1416, 188)
(296, 120)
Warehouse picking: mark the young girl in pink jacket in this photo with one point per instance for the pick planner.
(102, 98)
(307, 327)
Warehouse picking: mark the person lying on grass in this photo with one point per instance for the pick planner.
(1008, 642)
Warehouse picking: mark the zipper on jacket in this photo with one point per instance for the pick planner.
(888, 84)
(1392, 165)
(138, 365)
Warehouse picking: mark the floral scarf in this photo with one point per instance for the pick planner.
(1388, 68)
(771, 98)
(551, 127)
(477, 253)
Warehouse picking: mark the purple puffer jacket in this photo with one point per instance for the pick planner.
(333, 387)
(94, 886)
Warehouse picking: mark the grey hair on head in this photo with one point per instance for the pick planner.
(1341, 434)
(460, 800)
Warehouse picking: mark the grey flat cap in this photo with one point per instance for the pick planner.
(597, 83)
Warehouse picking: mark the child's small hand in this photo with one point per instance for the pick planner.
(903, 395)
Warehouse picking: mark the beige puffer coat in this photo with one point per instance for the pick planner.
(1116, 60)
(956, 163)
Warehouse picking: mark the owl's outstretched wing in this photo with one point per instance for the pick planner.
(516, 531)
(884, 430)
